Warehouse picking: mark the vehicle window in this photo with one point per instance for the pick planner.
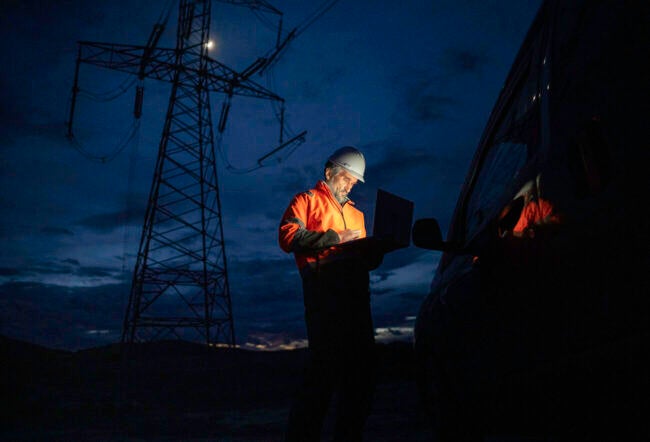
(514, 140)
(503, 162)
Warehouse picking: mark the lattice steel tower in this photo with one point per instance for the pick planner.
(180, 282)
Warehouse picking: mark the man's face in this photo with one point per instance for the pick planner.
(340, 184)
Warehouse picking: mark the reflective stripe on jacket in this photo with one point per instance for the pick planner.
(311, 225)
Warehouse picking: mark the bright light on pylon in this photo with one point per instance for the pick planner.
(209, 45)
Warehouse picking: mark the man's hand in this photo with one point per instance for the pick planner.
(349, 235)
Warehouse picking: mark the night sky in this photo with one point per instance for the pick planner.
(409, 83)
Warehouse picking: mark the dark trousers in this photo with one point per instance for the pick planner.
(341, 360)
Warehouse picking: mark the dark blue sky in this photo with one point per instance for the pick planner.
(410, 83)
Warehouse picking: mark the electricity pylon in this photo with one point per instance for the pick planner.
(180, 282)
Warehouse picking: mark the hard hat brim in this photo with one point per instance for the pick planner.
(351, 172)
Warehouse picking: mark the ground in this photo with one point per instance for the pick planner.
(178, 391)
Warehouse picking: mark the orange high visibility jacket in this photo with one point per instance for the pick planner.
(538, 211)
(311, 225)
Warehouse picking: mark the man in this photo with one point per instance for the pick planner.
(534, 213)
(337, 301)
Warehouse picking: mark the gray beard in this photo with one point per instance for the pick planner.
(337, 195)
(341, 199)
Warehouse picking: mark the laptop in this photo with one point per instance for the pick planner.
(393, 218)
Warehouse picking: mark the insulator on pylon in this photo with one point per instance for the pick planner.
(282, 123)
(277, 41)
(224, 116)
(137, 107)
(186, 21)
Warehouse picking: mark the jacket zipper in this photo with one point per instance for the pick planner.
(345, 225)
(332, 199)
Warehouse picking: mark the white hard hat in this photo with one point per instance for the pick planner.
(350, 159)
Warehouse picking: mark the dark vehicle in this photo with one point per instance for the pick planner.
(537, 323)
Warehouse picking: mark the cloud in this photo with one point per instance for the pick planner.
(426, 106)
(107, 222)
(322, 82)
(459, 61)
(262, 284)
(63, 273)
(27, 312)
(400, 160)
(26, 20)
(266, 296)
(56, 231)
(81, 317)
(7, 271)
(95, 272)
(428, 175)
(414, 275)
(296, 179)
(420, 98)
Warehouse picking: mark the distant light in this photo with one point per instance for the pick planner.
(392, 334)
(209, 44)
(221, 345)
(97, 332)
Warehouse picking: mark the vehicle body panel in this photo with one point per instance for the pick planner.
(518, 332)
